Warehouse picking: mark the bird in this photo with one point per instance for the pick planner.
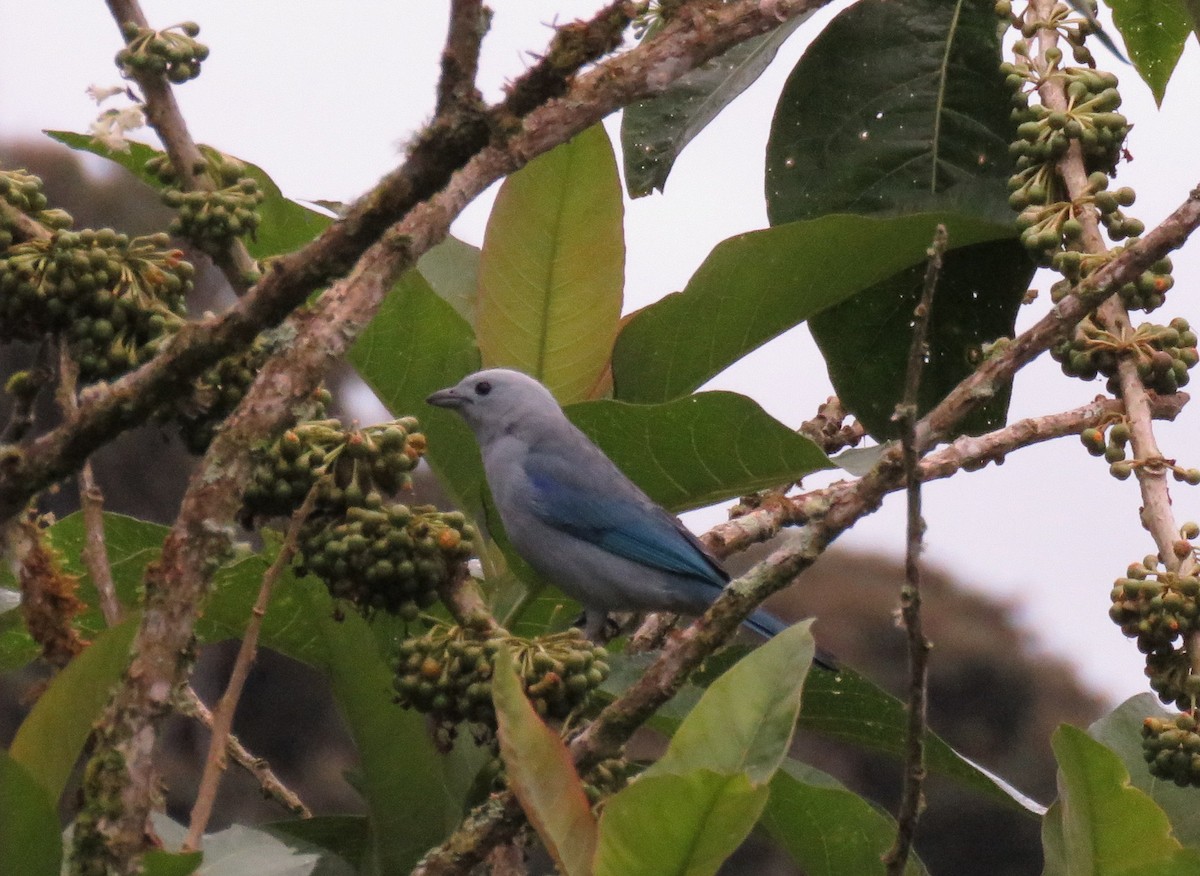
(574, 516)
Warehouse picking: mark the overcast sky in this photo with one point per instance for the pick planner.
(323, 99)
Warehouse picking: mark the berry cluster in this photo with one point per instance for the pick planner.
(379, 556)
(172, 51)
(114, 299)
(1146, 293)
(24, 192)
(1164, 354)
(389, 558)
(211, 219)
(354, 468)
(1160, 608)
(447, 673)
(1172, 749)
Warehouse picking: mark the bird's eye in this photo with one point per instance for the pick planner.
(483, 387)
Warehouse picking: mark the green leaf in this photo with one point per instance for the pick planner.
(285, 224)
(291, 624)
(744, 722)
(415, 345)
(1154, 32)
(850, 708)
(755, 286)
(131, 543)
(30, 843)
(895, 107)
(344, 836)
(1121, 731)
(865, 341)
(552, 269)
(401, 777)
(452, 269)
(828, 830)
(49, 740)
(1108, 826)
(698, 450)
(542, 775)
(655, 131)
(679, 824)
(160, 863)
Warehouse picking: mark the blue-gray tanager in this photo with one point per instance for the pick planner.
(572, 514)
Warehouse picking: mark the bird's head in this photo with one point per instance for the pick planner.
(497, 401)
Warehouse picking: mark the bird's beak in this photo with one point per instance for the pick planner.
(446, 398)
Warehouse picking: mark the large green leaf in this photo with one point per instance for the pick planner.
(895, 107)
(541, 774)
(848, 707)
(655, 131)
(744, 721)
(678, 824)
(552, 269)
(452, 269)
(755, 286)
(285, 225)
(30, 844)
(1154, 32)
(49, 740)
(345, 836)
(416, 344)
(698, 450)
(828, 830)
(865, 341)
(1121, 731)
(1107, 825)
(400, 777)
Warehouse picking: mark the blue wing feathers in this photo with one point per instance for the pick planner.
(621, 519)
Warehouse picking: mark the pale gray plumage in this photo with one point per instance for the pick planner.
(573, 515)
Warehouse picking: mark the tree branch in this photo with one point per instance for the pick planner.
(177, 583)
(222, 716)
(912, 799)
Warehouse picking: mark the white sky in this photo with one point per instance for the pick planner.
(321, 95)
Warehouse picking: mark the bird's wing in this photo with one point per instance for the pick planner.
(588, 497)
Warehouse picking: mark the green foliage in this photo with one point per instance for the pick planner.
(1101, 824)
(51, 737)
(29, 840)
(284, 225)
(655, 131)
(827, 829)
(541, 774)
(755, 286)
(716, 770)
(1154, 32)
(400, 778)
(552, 269)
(700, 449)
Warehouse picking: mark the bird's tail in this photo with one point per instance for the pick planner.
(767, 625)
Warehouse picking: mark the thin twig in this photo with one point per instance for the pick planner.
(222, 723)
(272, 786)
(91, 502)
(164, 116)
(912, 798)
